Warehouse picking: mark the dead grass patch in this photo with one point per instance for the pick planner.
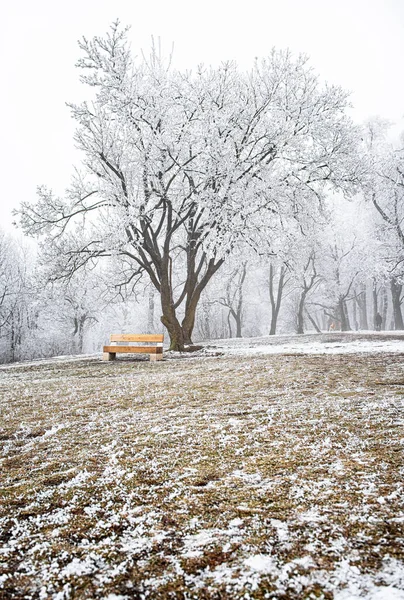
(223, 477)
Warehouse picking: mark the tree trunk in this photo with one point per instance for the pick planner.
(275, 302)
(343, 315)
(229, 325)
(346, 314)
(385, 304)
(188, 321)
(81, 334)
(224, 327)
(12, 341)
(237, 318)
(169, 318)
(396, 288)
(181, 333)
(300, 311)
(309, 281)
(238, 325)
(175, 332)
(206, 321)
(361, 299)
(375, 307)
(150, 312)
(239, 309)
(354, 315)
(312, 321)
(233, 297)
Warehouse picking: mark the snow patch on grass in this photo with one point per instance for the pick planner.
(243, 476)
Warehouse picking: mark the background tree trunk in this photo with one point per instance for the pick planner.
(150, 312)
(343, 315)
(385, 303)
(361, 300)
(396, 289)
(300, 315)
(375, 301)
(313, 322)
(355, 315)
(275, 301)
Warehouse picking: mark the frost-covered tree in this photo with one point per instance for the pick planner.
(385, 189)
(17, 311)
(232, 297)
(9, 280)
(307, 279)
(347, 260)
(178, 167)
(278, 278)
(79, 303)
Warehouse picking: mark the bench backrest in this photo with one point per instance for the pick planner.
(137, 337)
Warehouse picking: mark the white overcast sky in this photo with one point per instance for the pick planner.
(358, 44)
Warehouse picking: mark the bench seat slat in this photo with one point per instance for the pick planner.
(143, 337)
(130, 349)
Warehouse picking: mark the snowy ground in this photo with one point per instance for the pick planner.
(323, 343)
(239, 472)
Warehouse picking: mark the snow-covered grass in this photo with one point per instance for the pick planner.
(324, 343)
(215, 477)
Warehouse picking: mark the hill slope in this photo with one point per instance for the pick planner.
(265, 476)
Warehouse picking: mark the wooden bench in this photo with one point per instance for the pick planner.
(154, 345)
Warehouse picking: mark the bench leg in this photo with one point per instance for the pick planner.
(108, 356)
(154, 357)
